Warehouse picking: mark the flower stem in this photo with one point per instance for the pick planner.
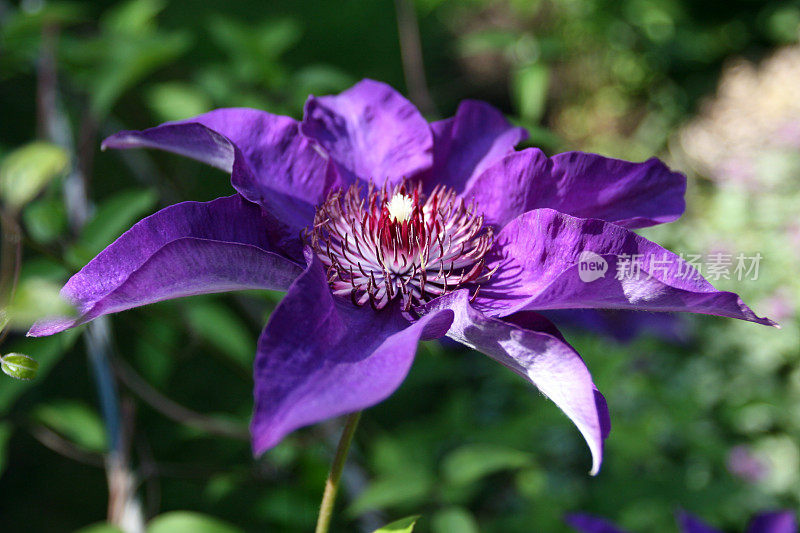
(332, 484)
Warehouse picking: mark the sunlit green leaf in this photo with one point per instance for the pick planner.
(453, 519)
(407, 489)
(34, 299)
(784, 24)
(75, 421)
(530, 86)
(189, 522)
(27, 170)
(470, 463)
(129, 62)
(404, 525)
(132, 17)
(21, 25)
(19, 366)
(177, 101)
(45, 219)
(489, 41)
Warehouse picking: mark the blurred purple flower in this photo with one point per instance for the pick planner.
(771, 522)
(744, 464)
(385, 230)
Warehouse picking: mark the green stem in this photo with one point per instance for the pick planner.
(332, 484)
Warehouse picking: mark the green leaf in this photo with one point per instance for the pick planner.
(189, 522)
(127, 63)
(156, 347)
(470, 463)
(404, 525)
(75, 421)
(22, 25)
(45, 219)
(409, 488)
(134, 17)
(34, 299)
(784, 23)
(530, 86)
(27, 170)
(112, 218)
(454, 519)
(19, 366)
(487, 41)
(221, 328)
(177, 101)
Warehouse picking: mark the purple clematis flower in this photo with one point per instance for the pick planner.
(771, 522)
(386, 230)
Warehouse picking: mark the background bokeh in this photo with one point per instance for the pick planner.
(705, 411)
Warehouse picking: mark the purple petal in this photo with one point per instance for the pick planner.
(774, 522)
(321, 357)
(468, 143)
(586, 523)
(185, 249)
(633, 195)
(538, 254)
(691, 524)
(271, 163)
(371, 131)
(539, 355)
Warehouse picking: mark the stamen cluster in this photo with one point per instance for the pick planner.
(395, 242)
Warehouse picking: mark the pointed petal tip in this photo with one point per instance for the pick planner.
(261, 444)
(120, 140)
(51, 326)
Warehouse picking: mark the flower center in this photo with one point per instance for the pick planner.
(395, 242)
(400, 207)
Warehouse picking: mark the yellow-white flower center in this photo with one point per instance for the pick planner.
(400, 207)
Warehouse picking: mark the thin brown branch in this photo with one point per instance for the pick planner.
(411, 53)
(55, 442)
(173, 410)
(10, 262)
(46, 85)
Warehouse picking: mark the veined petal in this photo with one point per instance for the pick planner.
(628, 194)
(691, 524)
(468, 143)
(529, 344)
(774, 522)
(538, 258)
(371, 131)
(586, 523)
(185, 249)
(321, 357)
(270, 162)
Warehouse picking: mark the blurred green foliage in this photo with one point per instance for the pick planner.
(464, 443)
